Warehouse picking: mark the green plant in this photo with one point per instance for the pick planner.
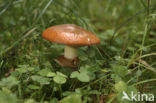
(124, 60)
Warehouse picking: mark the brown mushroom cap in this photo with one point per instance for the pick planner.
(70, 34)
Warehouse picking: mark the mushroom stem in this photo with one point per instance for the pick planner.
(70, 52)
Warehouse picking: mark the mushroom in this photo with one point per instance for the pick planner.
(72, 36)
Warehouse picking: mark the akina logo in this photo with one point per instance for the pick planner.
(137, 96)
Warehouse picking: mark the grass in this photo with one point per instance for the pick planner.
(124, 59)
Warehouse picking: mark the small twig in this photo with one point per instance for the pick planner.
(147, 65)
(138, 58)
(144, 81)
(151, 54)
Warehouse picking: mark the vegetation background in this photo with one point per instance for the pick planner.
(124, 61)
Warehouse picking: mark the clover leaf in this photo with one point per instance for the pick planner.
(60, 78)
(40, 79)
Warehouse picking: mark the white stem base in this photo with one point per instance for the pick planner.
(70, 52)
